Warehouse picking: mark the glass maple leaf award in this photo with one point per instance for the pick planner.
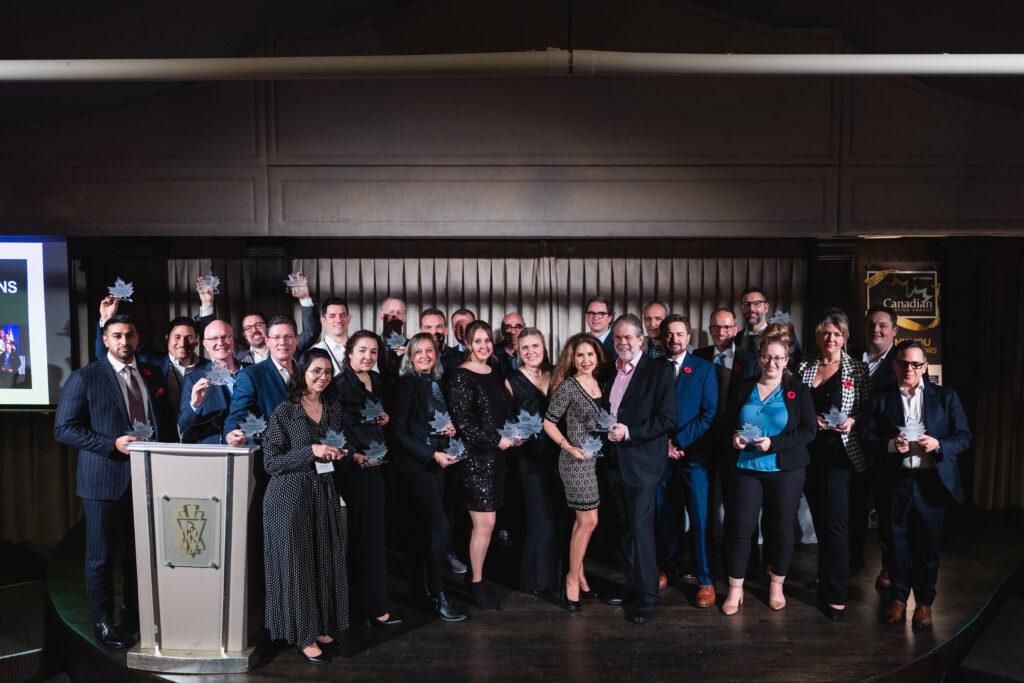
(143, 431)
(121, 290)
(252, 426)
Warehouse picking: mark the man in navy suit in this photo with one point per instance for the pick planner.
(686, 481)
(641, 396)
(878, 352)
(922, 473)
(204, 406)
(97, 410)
(599, 324)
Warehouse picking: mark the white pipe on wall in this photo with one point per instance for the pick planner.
(550, 62)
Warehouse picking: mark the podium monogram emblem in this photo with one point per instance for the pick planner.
(191, 523)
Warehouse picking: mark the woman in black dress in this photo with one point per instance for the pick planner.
(420, 456)
(301, 514)
(362, 482)
(528, 387)
(842, 383)
(576, 397)
(476, 397)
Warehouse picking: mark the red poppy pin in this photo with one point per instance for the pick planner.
(160, 391)
(790, 395)
(848, 383)
(687, 370)
(736, 368)
(146, 372)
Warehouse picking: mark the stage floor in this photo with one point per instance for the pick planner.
(533, 638)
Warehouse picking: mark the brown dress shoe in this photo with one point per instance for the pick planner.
(895, 612)
(706, 596)
(662, 580)
(883, 582)
(922, 617)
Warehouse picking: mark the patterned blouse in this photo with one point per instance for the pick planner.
(572, 400)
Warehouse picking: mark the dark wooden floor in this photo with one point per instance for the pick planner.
(533, 638)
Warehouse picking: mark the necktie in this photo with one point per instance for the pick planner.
(136, 406)
(679, 365)
(720, 359)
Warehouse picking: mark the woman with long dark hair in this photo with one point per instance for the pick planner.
(301, 514)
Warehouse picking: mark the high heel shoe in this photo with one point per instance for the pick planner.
(322, 658)
(481, 598)
(729, 609)
(777, 581)
(833, 613)
(571, 605)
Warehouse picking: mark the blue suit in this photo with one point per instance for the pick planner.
(205, 425)
(259, 389)
(918, 498)
(686, 482)
(91, 416)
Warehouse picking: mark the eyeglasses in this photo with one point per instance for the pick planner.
(254, 326)
(917, 365)
(222, 339)
(282, 337)
(719, 328)
(774, 359)
(752, 304)
(513, 327)
(320, 372)
(596, 314)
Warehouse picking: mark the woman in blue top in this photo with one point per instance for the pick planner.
(772, 465)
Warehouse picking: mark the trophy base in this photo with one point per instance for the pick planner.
(191, 661)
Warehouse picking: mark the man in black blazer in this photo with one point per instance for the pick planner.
(434, 323)
(641, 396)
(878, 352)
(599, 324)
(922, 474)
(97, 409)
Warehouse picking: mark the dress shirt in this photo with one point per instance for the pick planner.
(183, 370)
(913, 416)
(281, 370)
(677, 364)
(337, 352)
(623, 375)
(119, 372)
(258, 357)
(873, 364)
(724, 358)
(605, 335)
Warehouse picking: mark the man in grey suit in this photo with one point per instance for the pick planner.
(97, 410)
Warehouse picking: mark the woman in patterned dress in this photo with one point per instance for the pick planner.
(576, 395)
(478, 404)
(301, 514)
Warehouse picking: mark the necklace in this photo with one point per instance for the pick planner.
(829, 363)
(592, 392)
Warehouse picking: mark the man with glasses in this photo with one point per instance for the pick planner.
(334, 318)
(254, 329)
(205, 405)
(754, 310)
(918, 429)
(506, 350)
(599, 323)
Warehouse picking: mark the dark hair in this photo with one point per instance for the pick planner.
(432, 311)
(598, 300)
(632, 320)
(411, 347)
(120, 319)
(881, 309)
(350, 345)
(471, 330)
(182, 320)
(332, 301)
(464, 311)
(257, 313)
(911, 344)
(565, 368)
(282, 320)
(753, 290)
(673, 318)
(297, 383)
(545, 364)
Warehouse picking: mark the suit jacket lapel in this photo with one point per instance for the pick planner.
(114, 386)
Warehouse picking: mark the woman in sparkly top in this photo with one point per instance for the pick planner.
(479, 406)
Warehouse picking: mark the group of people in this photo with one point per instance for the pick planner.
(628, 408)
(10, 360)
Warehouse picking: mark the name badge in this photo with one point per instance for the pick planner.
(323, 467)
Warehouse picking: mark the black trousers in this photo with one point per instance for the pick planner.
(748, 488)
(105, 520)
(426, 487)
(918, 511)
(364, 493)
(830, 485)
(539, 566)
(638, 554)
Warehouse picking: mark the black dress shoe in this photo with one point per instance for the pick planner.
(833, 613)
(588, 595)
(571, 605)
(643, 615)
(110, 636)
(333, 647)
(481, 597)
(446, 610)
(392, 620)
(322, 658)
(615, 598)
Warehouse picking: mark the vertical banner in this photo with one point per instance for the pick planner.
(912, 290)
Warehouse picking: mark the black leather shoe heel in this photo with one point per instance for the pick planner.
(322, 658)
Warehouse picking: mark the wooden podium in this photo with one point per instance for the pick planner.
(191, 511)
